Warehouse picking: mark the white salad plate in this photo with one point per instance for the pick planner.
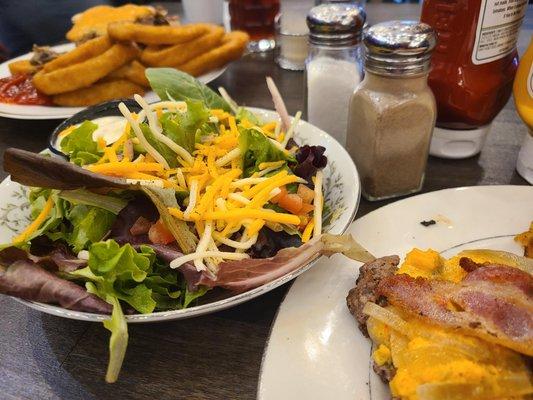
(341, 194)
(316, 350)
(20, 111)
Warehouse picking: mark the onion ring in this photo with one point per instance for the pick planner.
(94, 20)
(134, 72)
(89, 49)
(85, 73)
(98, 93)
(233, 44)
(155, 35)
(181, 53)
(22, 67)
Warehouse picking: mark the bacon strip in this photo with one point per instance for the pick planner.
(493, 302)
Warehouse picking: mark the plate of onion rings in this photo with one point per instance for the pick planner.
(23, 111)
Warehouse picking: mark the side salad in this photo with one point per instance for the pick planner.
(155, 209)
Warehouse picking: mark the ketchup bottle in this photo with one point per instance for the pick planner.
(473, 67)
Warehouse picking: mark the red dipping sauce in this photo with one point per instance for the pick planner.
(19, 89)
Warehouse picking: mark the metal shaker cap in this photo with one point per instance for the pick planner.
(336, 24)
(399, 47)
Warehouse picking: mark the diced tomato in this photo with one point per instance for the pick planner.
(306, 194)
(279, 196)
(159, 234)
(306, 208)
(291, 202)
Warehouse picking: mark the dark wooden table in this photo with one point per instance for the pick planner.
(216, 356)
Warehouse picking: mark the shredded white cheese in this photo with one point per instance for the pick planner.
(147, 182)
(232, 155)
(233, 243)
(212, 262)
(318, 203)
(164, 105)
(221, 204)
(274, 192)
(139, 159)
(277, 144)
(138, 132)
(178, 262)
(268, 170)
(246, 181)
(234, 107)
(156, 130)
(277, 130)
(239, 197)
(202, 246)
(193, 195)
(181, 178)
(290, 132)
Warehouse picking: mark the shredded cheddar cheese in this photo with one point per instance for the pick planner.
(67, 131)
(23, 236)
(306, 235)
(118, 168)
(318, 203)
(221, 206)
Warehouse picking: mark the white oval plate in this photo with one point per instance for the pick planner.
(316, 350)
(342, 192)
(18, 111)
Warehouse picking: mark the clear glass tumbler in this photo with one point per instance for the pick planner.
(257, 18)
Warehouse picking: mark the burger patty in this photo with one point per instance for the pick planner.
(370, 274)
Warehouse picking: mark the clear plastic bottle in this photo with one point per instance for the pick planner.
(334, 65)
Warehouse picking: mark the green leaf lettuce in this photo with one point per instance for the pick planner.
(169, 83)
(79, 144)
(256, 148)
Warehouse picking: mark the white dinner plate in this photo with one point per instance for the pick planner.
(18, 111)
(342, 191)
(316, 350)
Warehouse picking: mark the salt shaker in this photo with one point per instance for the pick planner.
(334, 65)
(393, 111)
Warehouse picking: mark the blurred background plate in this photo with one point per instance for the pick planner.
(18, 111)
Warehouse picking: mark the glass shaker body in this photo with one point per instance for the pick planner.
(334, 65)
(331, 76)
(390, 125)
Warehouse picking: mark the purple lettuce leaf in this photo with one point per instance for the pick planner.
(309, 159)
(52, 256)
(141, 206)
(31, 169)
(243, 275)
(269, 243)
(27, 280)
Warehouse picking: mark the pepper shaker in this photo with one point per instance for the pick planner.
(393, 111)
